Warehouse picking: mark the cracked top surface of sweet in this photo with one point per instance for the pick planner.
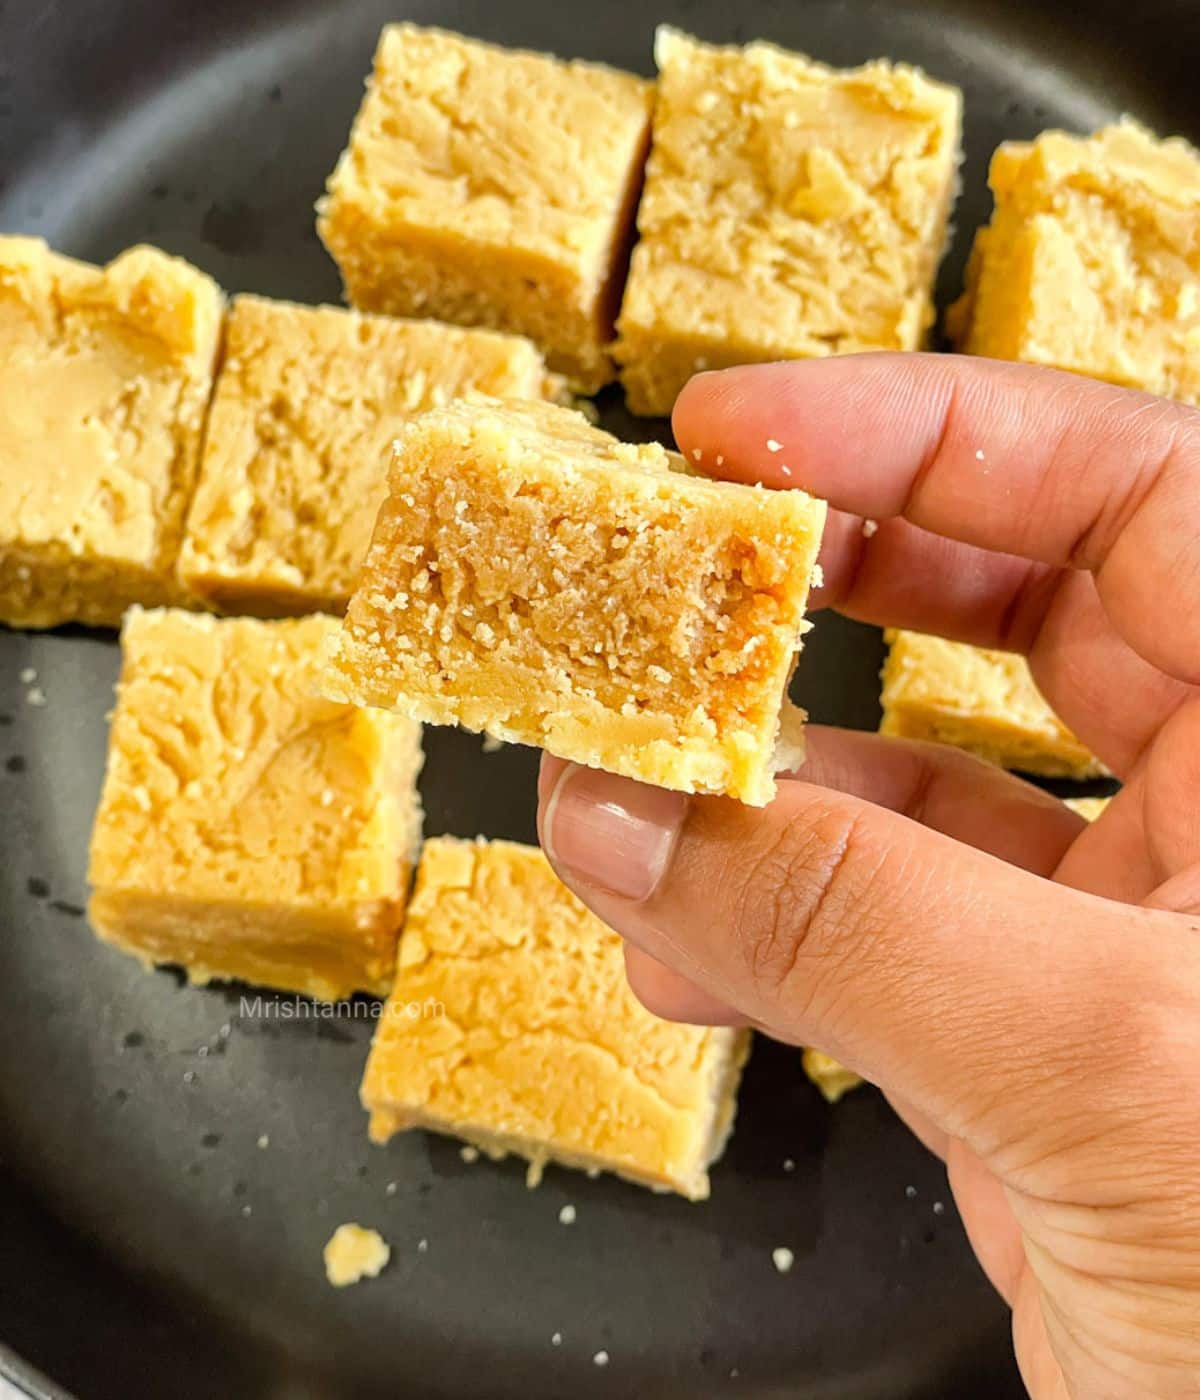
(503, 146)
(104, 381)
(307, 403)
(790, 202)
(228, 779)
(533, 1000)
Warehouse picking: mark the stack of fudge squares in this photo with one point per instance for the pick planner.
(323, 527)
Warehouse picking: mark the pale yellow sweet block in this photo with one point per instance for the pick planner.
(979, 700)
(295, 457)
(511, 1025)
(1091, 261)
(491, 187)
(1090, 808)
(353, 1253)
(104, 382)
(248, 829)
(791, 210)
(534, 578)
(830, 1076)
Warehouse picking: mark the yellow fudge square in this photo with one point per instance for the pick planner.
(511, 1025)
(491, 187)
(983, 701)
(248, 829)
(295, 457)
(1091, 261)
(1089, 808)
(534, 578)
(791, 210)
(104, 382)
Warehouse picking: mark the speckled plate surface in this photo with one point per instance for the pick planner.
(171, 1163)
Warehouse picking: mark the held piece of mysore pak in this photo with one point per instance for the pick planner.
(511, 1024)
(532, 577)
(104, 382)
(248, 829)
(294, 465)
(492, 187)
(983, 701)
(791, 210)
(1091, 262)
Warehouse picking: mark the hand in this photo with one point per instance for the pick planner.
(1026, 989)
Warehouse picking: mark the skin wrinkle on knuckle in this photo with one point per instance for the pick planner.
(946, 431)
(1027, 607)
(793, 899)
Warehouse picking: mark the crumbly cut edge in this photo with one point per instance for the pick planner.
(722, 1109)
(690, 764)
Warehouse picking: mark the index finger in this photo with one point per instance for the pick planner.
(1047, 466)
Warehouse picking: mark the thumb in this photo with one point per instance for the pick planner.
(976, 991)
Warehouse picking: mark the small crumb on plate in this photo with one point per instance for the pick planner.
(353, 1253)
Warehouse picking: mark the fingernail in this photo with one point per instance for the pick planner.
(610, 832)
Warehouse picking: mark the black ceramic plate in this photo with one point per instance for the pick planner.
(148, 1245)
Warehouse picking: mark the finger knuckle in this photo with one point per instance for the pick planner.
(795, 894)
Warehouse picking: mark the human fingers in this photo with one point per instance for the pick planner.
(903, 576)
(1051, 467)
(947, 791)
(943, 974)
(942, 788)
(669, 995)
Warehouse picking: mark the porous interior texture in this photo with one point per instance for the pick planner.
(532, 577)
(105, 376)
(511, 1024)
(492, 187)
(983, 701)
(790, 210)
(294, 468)
(1092, 260)
(246, 827)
